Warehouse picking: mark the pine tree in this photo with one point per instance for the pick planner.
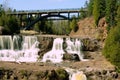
(90, 7)
(111, 8)
(112, 44)
(98, 10)
(118, 16)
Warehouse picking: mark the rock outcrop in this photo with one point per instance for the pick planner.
(88, 29)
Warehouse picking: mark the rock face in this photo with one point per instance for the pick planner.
(46, 44)
(71, 57)
(87, 29)
(90, 44)
(93, 74)
(56, 74)
(9, 74)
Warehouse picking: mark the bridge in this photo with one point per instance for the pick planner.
(51, 14)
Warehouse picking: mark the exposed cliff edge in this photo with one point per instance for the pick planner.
(88, 29)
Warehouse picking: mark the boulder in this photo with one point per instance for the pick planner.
(1, 30)
(90, 44)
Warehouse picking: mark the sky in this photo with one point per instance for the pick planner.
(42, 4)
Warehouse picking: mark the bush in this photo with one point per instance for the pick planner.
(62, 74)
(112, 46)
(10, 23)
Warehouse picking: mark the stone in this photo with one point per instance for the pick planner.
(90, 44)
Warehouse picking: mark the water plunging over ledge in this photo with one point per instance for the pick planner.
(19, 48)
(26, 48)
(56, 54)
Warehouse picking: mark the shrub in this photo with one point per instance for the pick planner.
(62, 74)
(112, 46)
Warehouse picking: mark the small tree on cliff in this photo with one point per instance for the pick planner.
(112, 44)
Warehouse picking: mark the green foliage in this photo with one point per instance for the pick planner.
(112, 44)
(111, 8)
(73, 24)
(98, 10)
(62, 74)
(37, 26)
(10, 23)
(90, 7)
(83, 14)
(1, 10)
(60, 27)
(49, 25)
(118, 15)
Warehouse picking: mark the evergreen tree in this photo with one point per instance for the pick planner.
(112, 44)
(83, 14)
(73, 24)
(10, 23)
(1, 10)
(98, 10)
(118, 13)
(111, 8)
(90, 7)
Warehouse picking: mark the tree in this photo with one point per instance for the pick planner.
(112, 44)
(98, 10)
(111, 8)
(73, 24)
(83, 14)
(49, 25)
(90, 7)
(118, 13)
(10, 23)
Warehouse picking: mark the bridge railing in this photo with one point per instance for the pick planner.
(48, 10)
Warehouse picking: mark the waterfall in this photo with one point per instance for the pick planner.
(17, 42)
(56, 54)
(19, 48)
(30, 49)
(75, 74)
(74, 47)
(29, 41)
(6, 42)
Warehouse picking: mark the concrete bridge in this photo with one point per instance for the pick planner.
(51, 14)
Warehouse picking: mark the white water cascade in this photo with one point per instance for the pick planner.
(19, 48)
(75, 74)
(56, 54)
(74, 47)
